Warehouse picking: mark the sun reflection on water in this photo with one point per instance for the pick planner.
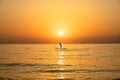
(61, 62)
(62, 76)
(61, 57)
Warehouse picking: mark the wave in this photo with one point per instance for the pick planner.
(77, 71)
(23, 64)
(57, 65)
(2, 78)
(54, 71)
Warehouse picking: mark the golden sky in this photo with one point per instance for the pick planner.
(39, 21)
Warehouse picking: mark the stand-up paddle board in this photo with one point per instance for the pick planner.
(61, 48)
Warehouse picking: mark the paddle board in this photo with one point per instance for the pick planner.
(60, 48)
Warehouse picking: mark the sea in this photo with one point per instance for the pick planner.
(48, 62)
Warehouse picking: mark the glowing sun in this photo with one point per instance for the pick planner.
(61, 33)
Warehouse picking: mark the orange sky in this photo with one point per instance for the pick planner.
(39, 21)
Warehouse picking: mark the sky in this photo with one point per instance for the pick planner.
(41, 21)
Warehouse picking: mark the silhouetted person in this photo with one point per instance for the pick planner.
(60, 44)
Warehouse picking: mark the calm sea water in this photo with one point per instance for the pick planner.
(45, 62)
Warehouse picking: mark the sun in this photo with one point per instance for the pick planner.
(61, 33)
